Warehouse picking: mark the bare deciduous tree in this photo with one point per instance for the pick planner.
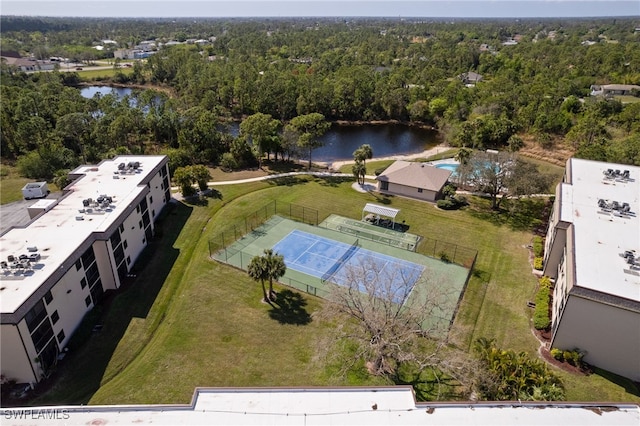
(386, 321)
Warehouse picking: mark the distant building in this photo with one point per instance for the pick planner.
(57, 267)
(592, 251)
(470, 78)
(413, 179)
(615, 89)
(13, 59)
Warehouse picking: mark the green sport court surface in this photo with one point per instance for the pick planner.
(439, 281)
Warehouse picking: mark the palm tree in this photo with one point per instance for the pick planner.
(363, 154)
(275, 268)
(359, 170)
(463, 155)
(258, 270)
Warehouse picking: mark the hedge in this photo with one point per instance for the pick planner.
(541, 319)
(537, 263)
(538, 246)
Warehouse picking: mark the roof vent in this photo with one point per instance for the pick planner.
(617, 175)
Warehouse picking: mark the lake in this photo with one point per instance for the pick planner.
(341, 140)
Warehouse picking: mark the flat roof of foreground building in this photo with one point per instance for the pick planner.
(328, 406)
(603, 235)
(62, 230)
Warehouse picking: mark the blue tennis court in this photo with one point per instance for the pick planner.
(342, 264)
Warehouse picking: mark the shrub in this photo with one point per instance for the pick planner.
(537, 263)
(448, 191)
(228, 161)
(538, 246)
(461, 200)
(541, 319)
(545, 282)
(444, 257)
(557, 354)
(573, 357)
(379, 171)
(447, 204)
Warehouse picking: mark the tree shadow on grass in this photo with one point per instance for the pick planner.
(381, 198)
(628, 385)
(94, 342)
(289, 180)
(428, 384)
(289, 308)
(525, 214)
(333, 181)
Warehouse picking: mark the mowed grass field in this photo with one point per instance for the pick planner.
(187, 321)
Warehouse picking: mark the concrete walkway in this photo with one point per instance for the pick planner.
(336, 165)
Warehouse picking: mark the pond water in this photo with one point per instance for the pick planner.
(341, 140)
(90, 91)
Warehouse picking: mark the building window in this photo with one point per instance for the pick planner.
(153, 213)
(48, 297)
(83, 282)
(138, 208)
(78, 264)
(121, 228)
(61, 336)
(420, 190)
(140, 224)
(115, 239)
(125, 244)
(128, 260)
(87, 301)
(88, 257)
(55, 317)
(384, 185)
(34, 317)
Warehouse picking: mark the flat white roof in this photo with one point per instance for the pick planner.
(58, 233)
(328, 406)
(601, 237)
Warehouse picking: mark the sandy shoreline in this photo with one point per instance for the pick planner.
(335, 165)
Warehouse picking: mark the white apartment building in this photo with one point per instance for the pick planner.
(592, 250)
(56, 268)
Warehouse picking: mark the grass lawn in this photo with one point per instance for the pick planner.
(188, 321)
(89, 74)
(11, 184)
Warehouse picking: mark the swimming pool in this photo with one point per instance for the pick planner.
(453, 167)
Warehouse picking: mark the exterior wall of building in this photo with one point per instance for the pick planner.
(615, 331)
(156, 197)
(560, 294)
(133, 237)
(104, 259)
(556, 238)
(15, 360)
(69, 300)
(408, 191)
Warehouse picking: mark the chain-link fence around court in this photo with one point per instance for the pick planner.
(244, 231)
(243, 228)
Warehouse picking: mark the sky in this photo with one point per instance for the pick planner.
(342, 8)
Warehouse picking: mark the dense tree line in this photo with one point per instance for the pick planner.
(343, 70)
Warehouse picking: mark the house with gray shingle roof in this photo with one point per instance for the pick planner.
(412, 179)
